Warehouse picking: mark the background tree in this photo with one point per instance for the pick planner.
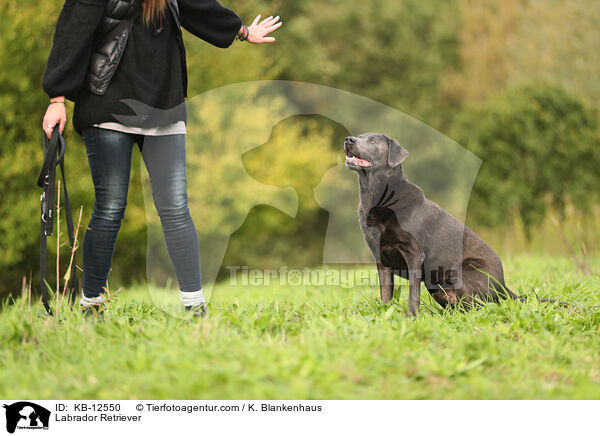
(540, 148)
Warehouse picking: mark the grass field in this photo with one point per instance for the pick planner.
(315, 343)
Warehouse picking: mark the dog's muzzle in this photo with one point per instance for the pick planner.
(352, 158)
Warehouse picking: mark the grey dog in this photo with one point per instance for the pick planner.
(411, 236)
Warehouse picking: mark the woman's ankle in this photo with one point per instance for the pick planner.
(192, 298)
(91, 301)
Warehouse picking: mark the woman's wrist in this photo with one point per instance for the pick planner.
(60, 99)
(243, 33)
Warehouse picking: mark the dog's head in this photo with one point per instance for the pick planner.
(373, 151)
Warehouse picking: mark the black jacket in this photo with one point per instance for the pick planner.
(150, 71)
(110, 41)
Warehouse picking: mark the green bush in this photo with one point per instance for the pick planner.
(540, 147)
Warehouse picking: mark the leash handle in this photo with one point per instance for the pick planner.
(54, 154)
(57, 141)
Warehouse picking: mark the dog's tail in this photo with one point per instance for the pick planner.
(507, 293)
(522, 298)
(552, 300)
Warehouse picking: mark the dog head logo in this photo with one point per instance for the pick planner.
(26, 415)
(272, 159)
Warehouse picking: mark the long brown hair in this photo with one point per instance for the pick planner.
(153, 10)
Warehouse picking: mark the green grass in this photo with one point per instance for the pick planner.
(315, 343)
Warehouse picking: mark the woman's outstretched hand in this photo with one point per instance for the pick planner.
(257, 32)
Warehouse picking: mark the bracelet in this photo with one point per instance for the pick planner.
(56, 102)
(244, 35)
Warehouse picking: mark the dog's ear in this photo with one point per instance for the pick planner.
(396, 153)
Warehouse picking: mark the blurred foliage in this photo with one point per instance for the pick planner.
(502, 43)
(395, 52)
(512, 80)
(540, 146)
(26, 34)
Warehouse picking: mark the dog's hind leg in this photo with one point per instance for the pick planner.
(386, 283)
(478, 285)
(467, 288)
(444, 297)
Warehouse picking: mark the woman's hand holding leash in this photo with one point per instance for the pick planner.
(55, 114)
(257, 32)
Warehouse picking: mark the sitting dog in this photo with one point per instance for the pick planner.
(415, 238)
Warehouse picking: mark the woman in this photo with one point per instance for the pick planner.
(109, 56)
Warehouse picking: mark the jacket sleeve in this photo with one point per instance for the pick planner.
(69, 57)
(210, 21)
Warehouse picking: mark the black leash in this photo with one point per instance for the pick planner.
(54, 155)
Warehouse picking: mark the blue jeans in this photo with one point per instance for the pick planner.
(109, 155)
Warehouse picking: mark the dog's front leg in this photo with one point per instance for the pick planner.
(386, 283)
(414, 287)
